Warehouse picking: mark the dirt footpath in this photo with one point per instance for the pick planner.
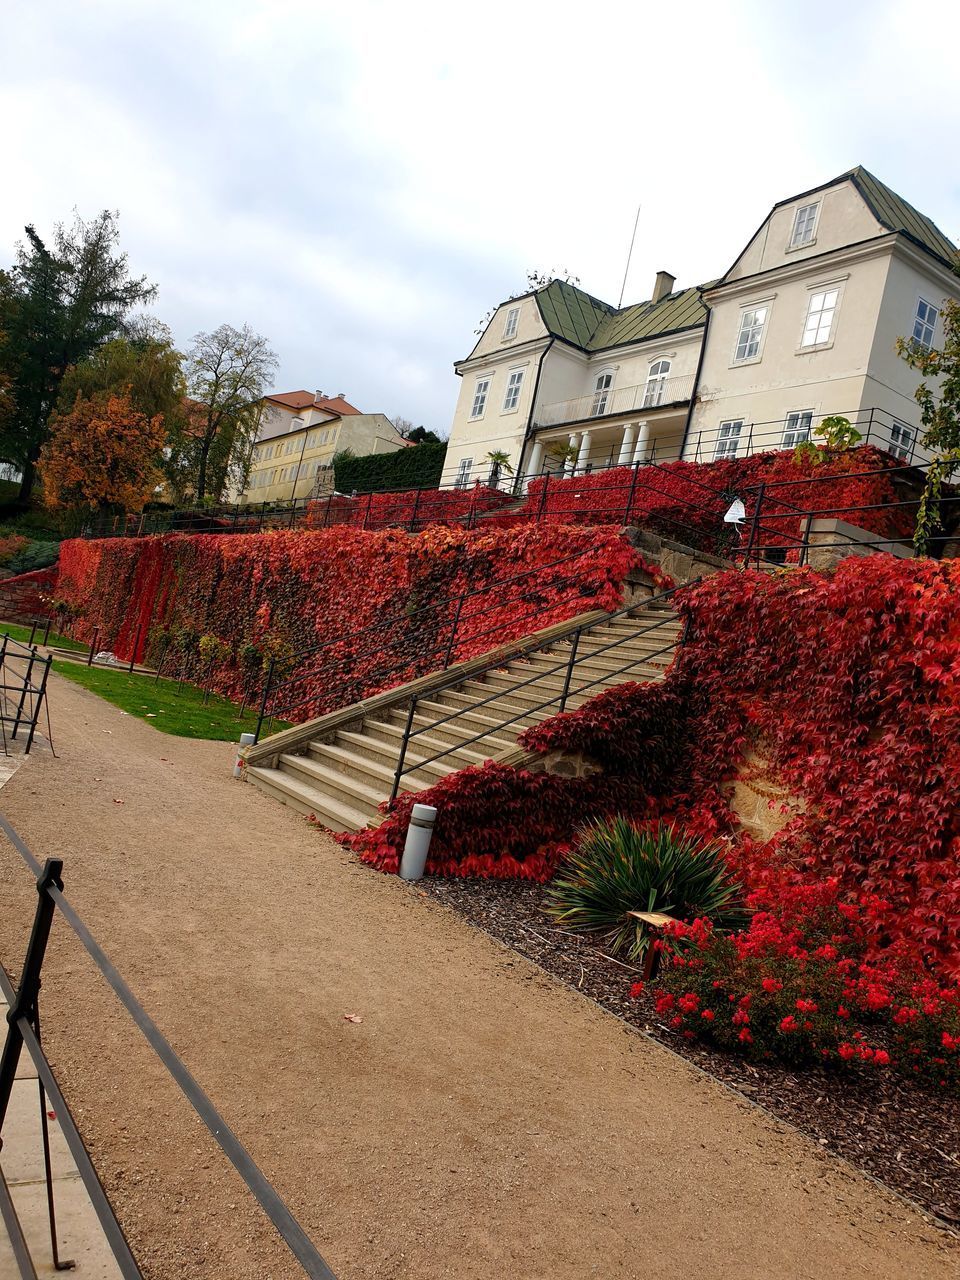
(481, 1120)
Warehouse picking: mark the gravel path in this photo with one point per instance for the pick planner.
(481, 1120)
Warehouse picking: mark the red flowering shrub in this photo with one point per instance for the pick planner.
(411, 509)
(686, 500)
(382, 604)
(498, 822)
(798, 986)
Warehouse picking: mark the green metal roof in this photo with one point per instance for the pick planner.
(893, 211)
(571, 314)
(592, 325)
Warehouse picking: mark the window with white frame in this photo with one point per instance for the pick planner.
(510, 326)
(902, 440)
(728, 438)
(656, 378)
(512, 397)
(804, 225)
(820, 312)
(601, 394)
(751, 334)
(925, 323)
(480, 397)
(463, 473)
(796, 427)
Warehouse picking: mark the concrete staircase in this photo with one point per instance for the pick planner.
(340, 768)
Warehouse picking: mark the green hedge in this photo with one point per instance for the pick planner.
(420, 465)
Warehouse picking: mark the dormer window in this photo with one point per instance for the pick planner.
(804, 225)
(510, 327)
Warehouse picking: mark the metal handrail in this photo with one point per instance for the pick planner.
(451, 603)
(569, 664)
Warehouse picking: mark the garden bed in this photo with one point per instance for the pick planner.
(905, 1136)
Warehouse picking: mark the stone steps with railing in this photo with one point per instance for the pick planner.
(340, 768)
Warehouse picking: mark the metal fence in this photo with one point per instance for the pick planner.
(573, 672)
(23, 1030)
(23, 692)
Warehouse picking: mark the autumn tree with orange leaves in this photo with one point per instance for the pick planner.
(103, 453)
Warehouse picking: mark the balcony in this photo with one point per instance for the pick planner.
(658, 393)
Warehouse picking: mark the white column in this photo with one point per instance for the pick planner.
(626, 448)
(569, 463)
(643, 441)
(583, 457)
(536, 459)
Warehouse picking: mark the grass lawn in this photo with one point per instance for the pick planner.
(16, 632)
(182, 714)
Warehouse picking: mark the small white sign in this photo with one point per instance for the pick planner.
(736, 513)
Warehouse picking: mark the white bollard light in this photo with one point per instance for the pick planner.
(246, 740)
(417, 844)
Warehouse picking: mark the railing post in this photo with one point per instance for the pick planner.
(93, 646)
(46, 631)
(633, 490)
(416, 506)
(33, 632)
(403, 751)
(263, 700)
(366, 514)
(754, 528)
(23, 693)
(569, 672)
(136, 645)
(41, 694)
(543, 497)
(805, 541)
(453, 631)
(25, 1001)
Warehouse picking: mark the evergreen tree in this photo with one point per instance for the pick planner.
(57, 306)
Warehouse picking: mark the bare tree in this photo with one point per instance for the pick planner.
(227, 374)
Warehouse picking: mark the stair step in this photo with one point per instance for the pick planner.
(374, 773)
(390, 736)
(359, 790)
(453, 731)
(465, 723)
(610, 663)
(419, 755)
(282, 786)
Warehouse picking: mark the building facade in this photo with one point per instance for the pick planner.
(300, 431)
(802, 326)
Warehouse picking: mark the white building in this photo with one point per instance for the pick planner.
(803, 325)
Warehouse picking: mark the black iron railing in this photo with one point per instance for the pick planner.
(427, 640)
(566, 669)
(23, 692)
(23, 1030)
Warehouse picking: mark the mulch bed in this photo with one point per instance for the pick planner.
(905, 1136)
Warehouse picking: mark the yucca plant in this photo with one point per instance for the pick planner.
(618, 867)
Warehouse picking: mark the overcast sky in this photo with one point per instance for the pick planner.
(360, 181)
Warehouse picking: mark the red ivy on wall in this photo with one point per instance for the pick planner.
(382, 604)
(850, 682)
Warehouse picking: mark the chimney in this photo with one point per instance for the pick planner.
(664, 285)
(318, 397)
(341, 395)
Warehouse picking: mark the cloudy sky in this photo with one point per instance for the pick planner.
(361, 181)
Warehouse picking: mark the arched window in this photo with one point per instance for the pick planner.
(601, 394)
(656, 378)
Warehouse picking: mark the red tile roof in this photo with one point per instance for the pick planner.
(307, 400)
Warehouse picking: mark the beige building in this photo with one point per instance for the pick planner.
(803, 325)
(300, 431)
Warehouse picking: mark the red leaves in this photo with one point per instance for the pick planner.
(382, 603)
